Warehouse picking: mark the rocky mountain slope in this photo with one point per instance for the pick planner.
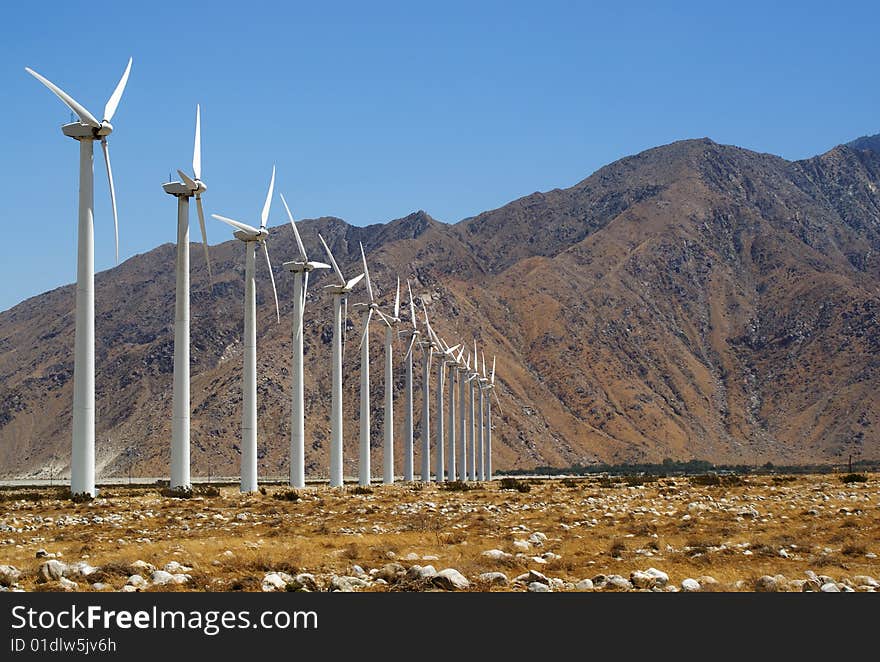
(692, 301)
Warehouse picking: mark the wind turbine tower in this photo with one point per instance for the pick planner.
(300, 269)
(87, 130)
(251, 237)
(184, 190)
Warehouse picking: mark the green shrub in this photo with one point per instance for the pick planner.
(854, 478)
(514, 484)
(286, 495)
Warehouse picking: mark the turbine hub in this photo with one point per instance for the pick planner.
(105, 130)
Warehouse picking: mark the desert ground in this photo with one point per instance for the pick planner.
(599, 533)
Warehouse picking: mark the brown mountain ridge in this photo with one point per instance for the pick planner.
(693, 301)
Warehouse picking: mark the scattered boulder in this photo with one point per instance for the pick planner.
(690, 585)
(160, 577)
(661, 579)
(496, 555)
(174, 567)
(451, 579)
(80, 569)
(141, 567)
(101, 586)
(522, 545)
(303, 582)
(42, 553)
(418, 572)
(538, 587)
(766, 584)
(618, 583)
(494, 578)
(584, 585)
(390, 572)
(51, 571)
(9, 575)
(136, 581)
(829, 587)
(865, 580)
(345, 584)
(67, 584)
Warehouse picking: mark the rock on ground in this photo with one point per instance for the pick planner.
(50, 571)
(451, 580)
(494, 578)
(538, 587)
(9, 574)
(690, 585)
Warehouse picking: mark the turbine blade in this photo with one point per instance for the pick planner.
(483, 356)
(367, 272)
(318, 265)
(344, 323)
(272, 278)
(187, 180)
(113, 101)
(412, 305)
(197, 145)
(305, 289)
(264, 216)
(204, 238)
(397, 300)
(500, 409)
(299, 241)
(106, 151)
(354, 281)
(69, 101)
(366, 328)
(409, 349)
(236, 224)
(492, 379)
(384, 318)
(332, 261)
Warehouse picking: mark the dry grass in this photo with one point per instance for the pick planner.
(232, 540)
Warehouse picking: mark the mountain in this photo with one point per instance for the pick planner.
(696, 300)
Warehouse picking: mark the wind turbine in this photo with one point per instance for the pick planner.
(445, 357)
(490, 387)
(251, 236)
(461, 368)
(86, 131)
(481, 384)
(388, 448)
(427, 347)
(408, 406)
(471, 424)
(300, 269)
(450, 455)
(340, 291)
(364, 473)
(183, 191)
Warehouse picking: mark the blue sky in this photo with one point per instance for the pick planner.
(373, 110)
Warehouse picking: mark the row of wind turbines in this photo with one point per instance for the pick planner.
(462, 451)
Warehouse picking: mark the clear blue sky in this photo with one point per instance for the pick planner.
(373, 110)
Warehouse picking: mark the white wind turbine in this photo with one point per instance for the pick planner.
(86, 131)
(427, 347)
(388, 448)
(489, 387)
(364, 472)
(183, 191)
(445, 356)
(482, 381)
(340, 292)
(461, 368)
(251, 236)
(471, 424)
(450, 454)
(300, 269)
(408, 405)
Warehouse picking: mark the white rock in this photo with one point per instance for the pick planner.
(556, 583)
(174, 567)
(180, 578)
(142, 567)
(412, 556)
(305, 581)
(451, 580)
(618, 583)
(128, 588)
(51, 570)
(496, 555)
(538, 559)
(68, 585)
(690, 585)
(495, 578)
(136, 581)
(865, 580)
(537, 539)
(661, 579)
(9, 574)
(584, 585)
(80, 569)
(522, 545)
(160, 577)
(538, 587)
(418, 572)
(102, 586)
(766, 584)
(432, 557)
(829, 587)
(640, 579)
